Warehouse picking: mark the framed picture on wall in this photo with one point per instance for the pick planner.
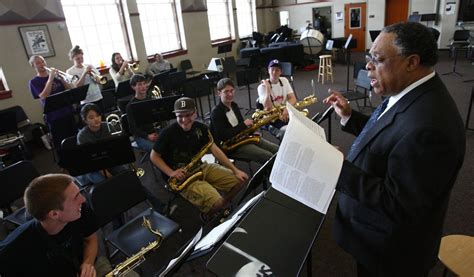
(36, 40)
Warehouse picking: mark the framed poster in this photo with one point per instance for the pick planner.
(36, 40)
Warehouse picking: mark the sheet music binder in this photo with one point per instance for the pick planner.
(154, 110)
(65, 98)
(103, 154)
(257, 251)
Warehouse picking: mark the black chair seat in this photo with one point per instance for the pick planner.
(130, 238)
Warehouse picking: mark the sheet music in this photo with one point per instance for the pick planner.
(219, 231)
(306, 167)
(174, 261)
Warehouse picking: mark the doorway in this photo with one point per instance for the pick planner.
(354, 23)
(396, 11)
(322, 20)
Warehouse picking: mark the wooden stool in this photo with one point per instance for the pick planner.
(456, 252)
(325, 68)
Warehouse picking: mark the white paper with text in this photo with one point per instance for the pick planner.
(307, 167)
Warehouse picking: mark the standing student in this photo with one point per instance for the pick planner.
(86, 74)
(61, 122)
(120, 69)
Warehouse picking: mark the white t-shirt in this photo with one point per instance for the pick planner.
(280, 92)
(93, 93)
(117, 77)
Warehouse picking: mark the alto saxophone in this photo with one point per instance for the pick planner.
(191, 170)
(260, 119)
(138, 258)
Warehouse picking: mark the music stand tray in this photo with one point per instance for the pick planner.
(255, 251)
(65, 98)
(103, 154)
(154, 110)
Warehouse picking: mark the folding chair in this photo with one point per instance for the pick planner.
(187, 65)
(362, 82)
(15, 179)
(118, 194)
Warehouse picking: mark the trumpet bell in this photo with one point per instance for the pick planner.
(134, 66)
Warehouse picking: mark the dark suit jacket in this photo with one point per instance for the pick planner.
(395, 192)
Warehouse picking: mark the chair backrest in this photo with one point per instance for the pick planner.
(116, 195)
(363, 80)
(186, 64)
(14, 180)
(69, 143)
(461, 35)
(435, 33)
(108, 100)
(124, 122)
(8, 122)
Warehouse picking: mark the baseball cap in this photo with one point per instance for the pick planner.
(184, 104)
(274, 63)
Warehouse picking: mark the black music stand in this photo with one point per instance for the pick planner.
(256, 246)
(197, 87)
(245, 78)
(319, 118)
(154, 110)
(103, 154)
(65, 98)
(224, 48)
(157, 79)
(123, 89)
(350, 43)
(173, 83)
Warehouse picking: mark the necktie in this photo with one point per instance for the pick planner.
(372, 120)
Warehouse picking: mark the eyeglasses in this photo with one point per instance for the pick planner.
(376, 61)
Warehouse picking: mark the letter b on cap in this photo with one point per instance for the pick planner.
(183, 104)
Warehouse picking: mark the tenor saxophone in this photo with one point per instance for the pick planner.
(138, 258)
(261, 118)
(192, 169)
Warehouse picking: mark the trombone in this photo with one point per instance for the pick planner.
(68, 78)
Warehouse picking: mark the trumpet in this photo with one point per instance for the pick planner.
(98, 78)
(68, 78)
(135, 66)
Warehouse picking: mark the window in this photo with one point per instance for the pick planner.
(284, 18)
(160, 25)
(221, 21)
(246, 17)
(97, 27)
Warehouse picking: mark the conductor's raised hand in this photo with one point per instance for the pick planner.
(339, 102)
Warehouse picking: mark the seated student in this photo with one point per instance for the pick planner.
(159, 65)
(120, 69)
(179, 143)
(276, 91)
(95, 130)
(227, 122)
(144, 133)
(60, 240)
